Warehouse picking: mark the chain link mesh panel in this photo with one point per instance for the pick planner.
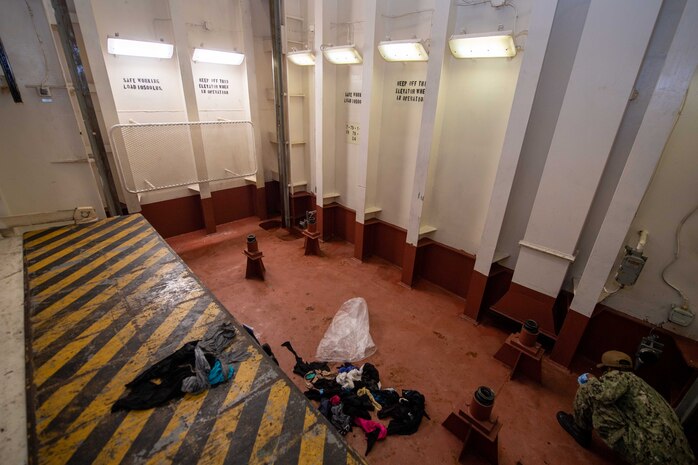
(155, 156)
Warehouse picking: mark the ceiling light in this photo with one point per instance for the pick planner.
(204, 55)
(403, 50)
(302, 57)
(139, 48)
(488, 45)
(342, 55)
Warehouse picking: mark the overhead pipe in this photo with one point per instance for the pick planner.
(279, 75)
(87, 108)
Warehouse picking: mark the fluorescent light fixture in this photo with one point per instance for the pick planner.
(342, 55)
(215, 56)
(139, 48)
(403, 50)
(302, 57)
(488, 45)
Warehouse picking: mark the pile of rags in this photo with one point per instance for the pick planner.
(348, 396)
(193, 368)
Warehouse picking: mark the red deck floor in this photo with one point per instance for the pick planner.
(422, 341)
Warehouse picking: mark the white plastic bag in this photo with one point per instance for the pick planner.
(348, 338)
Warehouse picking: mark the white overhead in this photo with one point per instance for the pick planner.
(217, 56)
(342, 55)
(403, 50)
(498, 44)
(301, 57)
(139, 48)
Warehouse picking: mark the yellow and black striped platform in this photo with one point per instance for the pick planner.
(106, 301)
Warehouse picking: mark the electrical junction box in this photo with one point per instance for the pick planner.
(45, 94)
(630, 267)
(680, 316)
(82, 215)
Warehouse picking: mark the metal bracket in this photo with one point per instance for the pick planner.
(548, 250)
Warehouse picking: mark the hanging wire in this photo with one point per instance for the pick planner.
(654, 326)
(516, 15)
(610, 293)
(464, 3)
(41, 43)
(427, 41)
(506, 3)
(430, 10)
(677, 252)
(350, 31)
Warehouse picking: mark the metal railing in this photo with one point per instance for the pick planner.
(156, 156)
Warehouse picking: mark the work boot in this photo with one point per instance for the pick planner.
(582, 437)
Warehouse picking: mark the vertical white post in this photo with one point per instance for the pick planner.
(655, 129)
(325, 102)
(95, 57)
(608, 59)
(536, 45)
(317, 147)
(442, 25)
(179, 28)
(367, 83)
(251, 69)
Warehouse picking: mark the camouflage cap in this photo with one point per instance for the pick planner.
(616, 359)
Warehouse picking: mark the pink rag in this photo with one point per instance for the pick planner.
(335, 400)
(370, 425)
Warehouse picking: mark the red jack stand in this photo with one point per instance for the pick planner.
(312, 236)
(481, 436)
(255, 265)
(522, 353)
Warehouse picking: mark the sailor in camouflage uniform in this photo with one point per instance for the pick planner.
(631, 417)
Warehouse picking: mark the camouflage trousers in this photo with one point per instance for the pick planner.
(651, 442)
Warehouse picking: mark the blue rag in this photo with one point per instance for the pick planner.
(347, 368)
(215, 376)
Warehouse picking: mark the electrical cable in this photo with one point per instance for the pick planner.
(677, 252)
(464, 3)
(431, 25)
(41, 43)
(505, 3)
(408, 14)
(639, 248)
(610, 293)
(350, 31)
(516, 16)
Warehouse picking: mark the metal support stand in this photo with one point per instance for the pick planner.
(480, 437)
(255, 265)
(312, 236)
(522, 359)
(312, 244)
